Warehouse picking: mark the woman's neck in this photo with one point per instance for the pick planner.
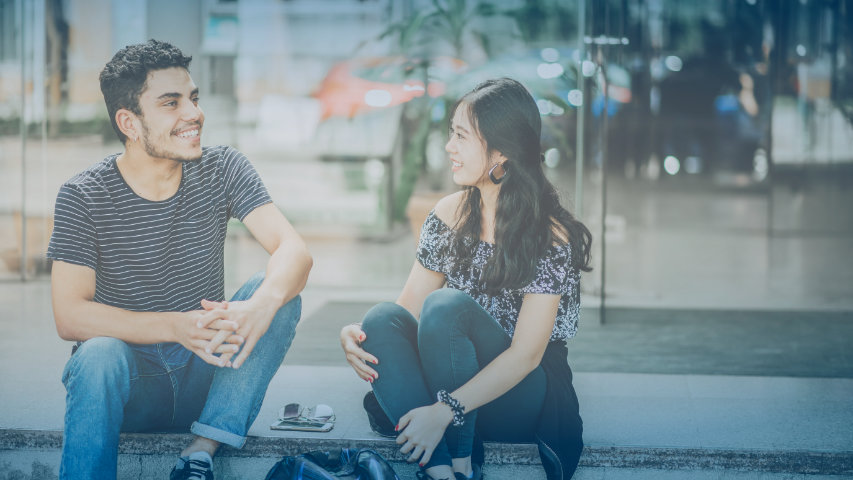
(489, 200)
(488, 212)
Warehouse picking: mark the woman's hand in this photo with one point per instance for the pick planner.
(421, 429)
(351, 338)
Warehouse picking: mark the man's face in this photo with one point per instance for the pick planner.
(171, 118)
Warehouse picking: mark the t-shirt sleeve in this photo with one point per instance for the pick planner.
(74, 238)
(433, 244)
(244, 189)
(553, 273)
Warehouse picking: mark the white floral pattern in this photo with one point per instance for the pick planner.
(554, 275)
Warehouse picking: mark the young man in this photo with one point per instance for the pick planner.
(137, 277)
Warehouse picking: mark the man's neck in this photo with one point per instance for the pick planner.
(151, 178)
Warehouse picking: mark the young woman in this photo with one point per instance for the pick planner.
(488, 356)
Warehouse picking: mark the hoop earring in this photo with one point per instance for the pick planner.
(492, 177)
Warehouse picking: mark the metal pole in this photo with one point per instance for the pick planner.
(44, 108)
(579, 132)
(603, 137)
(23, 127)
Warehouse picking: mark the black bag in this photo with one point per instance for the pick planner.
(338, 464)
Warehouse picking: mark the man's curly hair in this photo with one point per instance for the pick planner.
(123, 78)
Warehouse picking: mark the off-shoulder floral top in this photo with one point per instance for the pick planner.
(554, 275)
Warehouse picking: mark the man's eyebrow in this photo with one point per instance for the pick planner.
(176, 94)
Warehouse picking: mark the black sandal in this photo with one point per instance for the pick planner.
(476, 475)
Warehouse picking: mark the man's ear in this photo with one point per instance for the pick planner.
(128, 123)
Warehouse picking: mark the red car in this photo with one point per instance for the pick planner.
(360, 85)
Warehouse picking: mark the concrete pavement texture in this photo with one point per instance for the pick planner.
(689, 423)
(637, 425)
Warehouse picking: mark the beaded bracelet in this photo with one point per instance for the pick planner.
(455, 406)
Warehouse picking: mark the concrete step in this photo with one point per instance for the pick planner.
(636, 426)
(141, 455)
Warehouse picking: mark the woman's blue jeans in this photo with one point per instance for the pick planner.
(453, 341)
(117, 387)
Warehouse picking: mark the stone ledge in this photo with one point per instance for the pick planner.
(659, 458)
(674, 458)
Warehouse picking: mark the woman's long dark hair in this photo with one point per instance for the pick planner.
(528, 210)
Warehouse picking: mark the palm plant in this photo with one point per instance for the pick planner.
(420, 37)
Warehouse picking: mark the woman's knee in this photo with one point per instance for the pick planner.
(442, 307)
(387, 319)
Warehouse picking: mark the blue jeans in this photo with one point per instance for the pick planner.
(453, 341)
(117, 387)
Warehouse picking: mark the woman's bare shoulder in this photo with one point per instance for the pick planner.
(446, 208)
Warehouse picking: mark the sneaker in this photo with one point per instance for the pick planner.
(198, 466)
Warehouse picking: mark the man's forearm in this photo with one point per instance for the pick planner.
(286, 275)
(83, 320)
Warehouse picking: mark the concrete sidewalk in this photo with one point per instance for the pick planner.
(637, 426)
(697, 425)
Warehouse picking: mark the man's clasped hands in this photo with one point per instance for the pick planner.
(224, 329)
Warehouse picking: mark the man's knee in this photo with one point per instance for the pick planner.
(100, 361)
(287, 317)
(250, 287)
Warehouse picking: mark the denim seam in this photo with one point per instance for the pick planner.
(466, 309)
(454, 374)
(151, 375)
(456, 432)
(172, 381)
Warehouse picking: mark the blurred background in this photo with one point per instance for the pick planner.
(708, 144)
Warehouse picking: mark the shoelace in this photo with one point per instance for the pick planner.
(198, 470)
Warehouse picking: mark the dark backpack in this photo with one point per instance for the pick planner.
(338, 464)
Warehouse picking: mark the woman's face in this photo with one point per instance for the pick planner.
(469, 159)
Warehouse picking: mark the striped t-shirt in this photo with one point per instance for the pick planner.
(162, 256)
